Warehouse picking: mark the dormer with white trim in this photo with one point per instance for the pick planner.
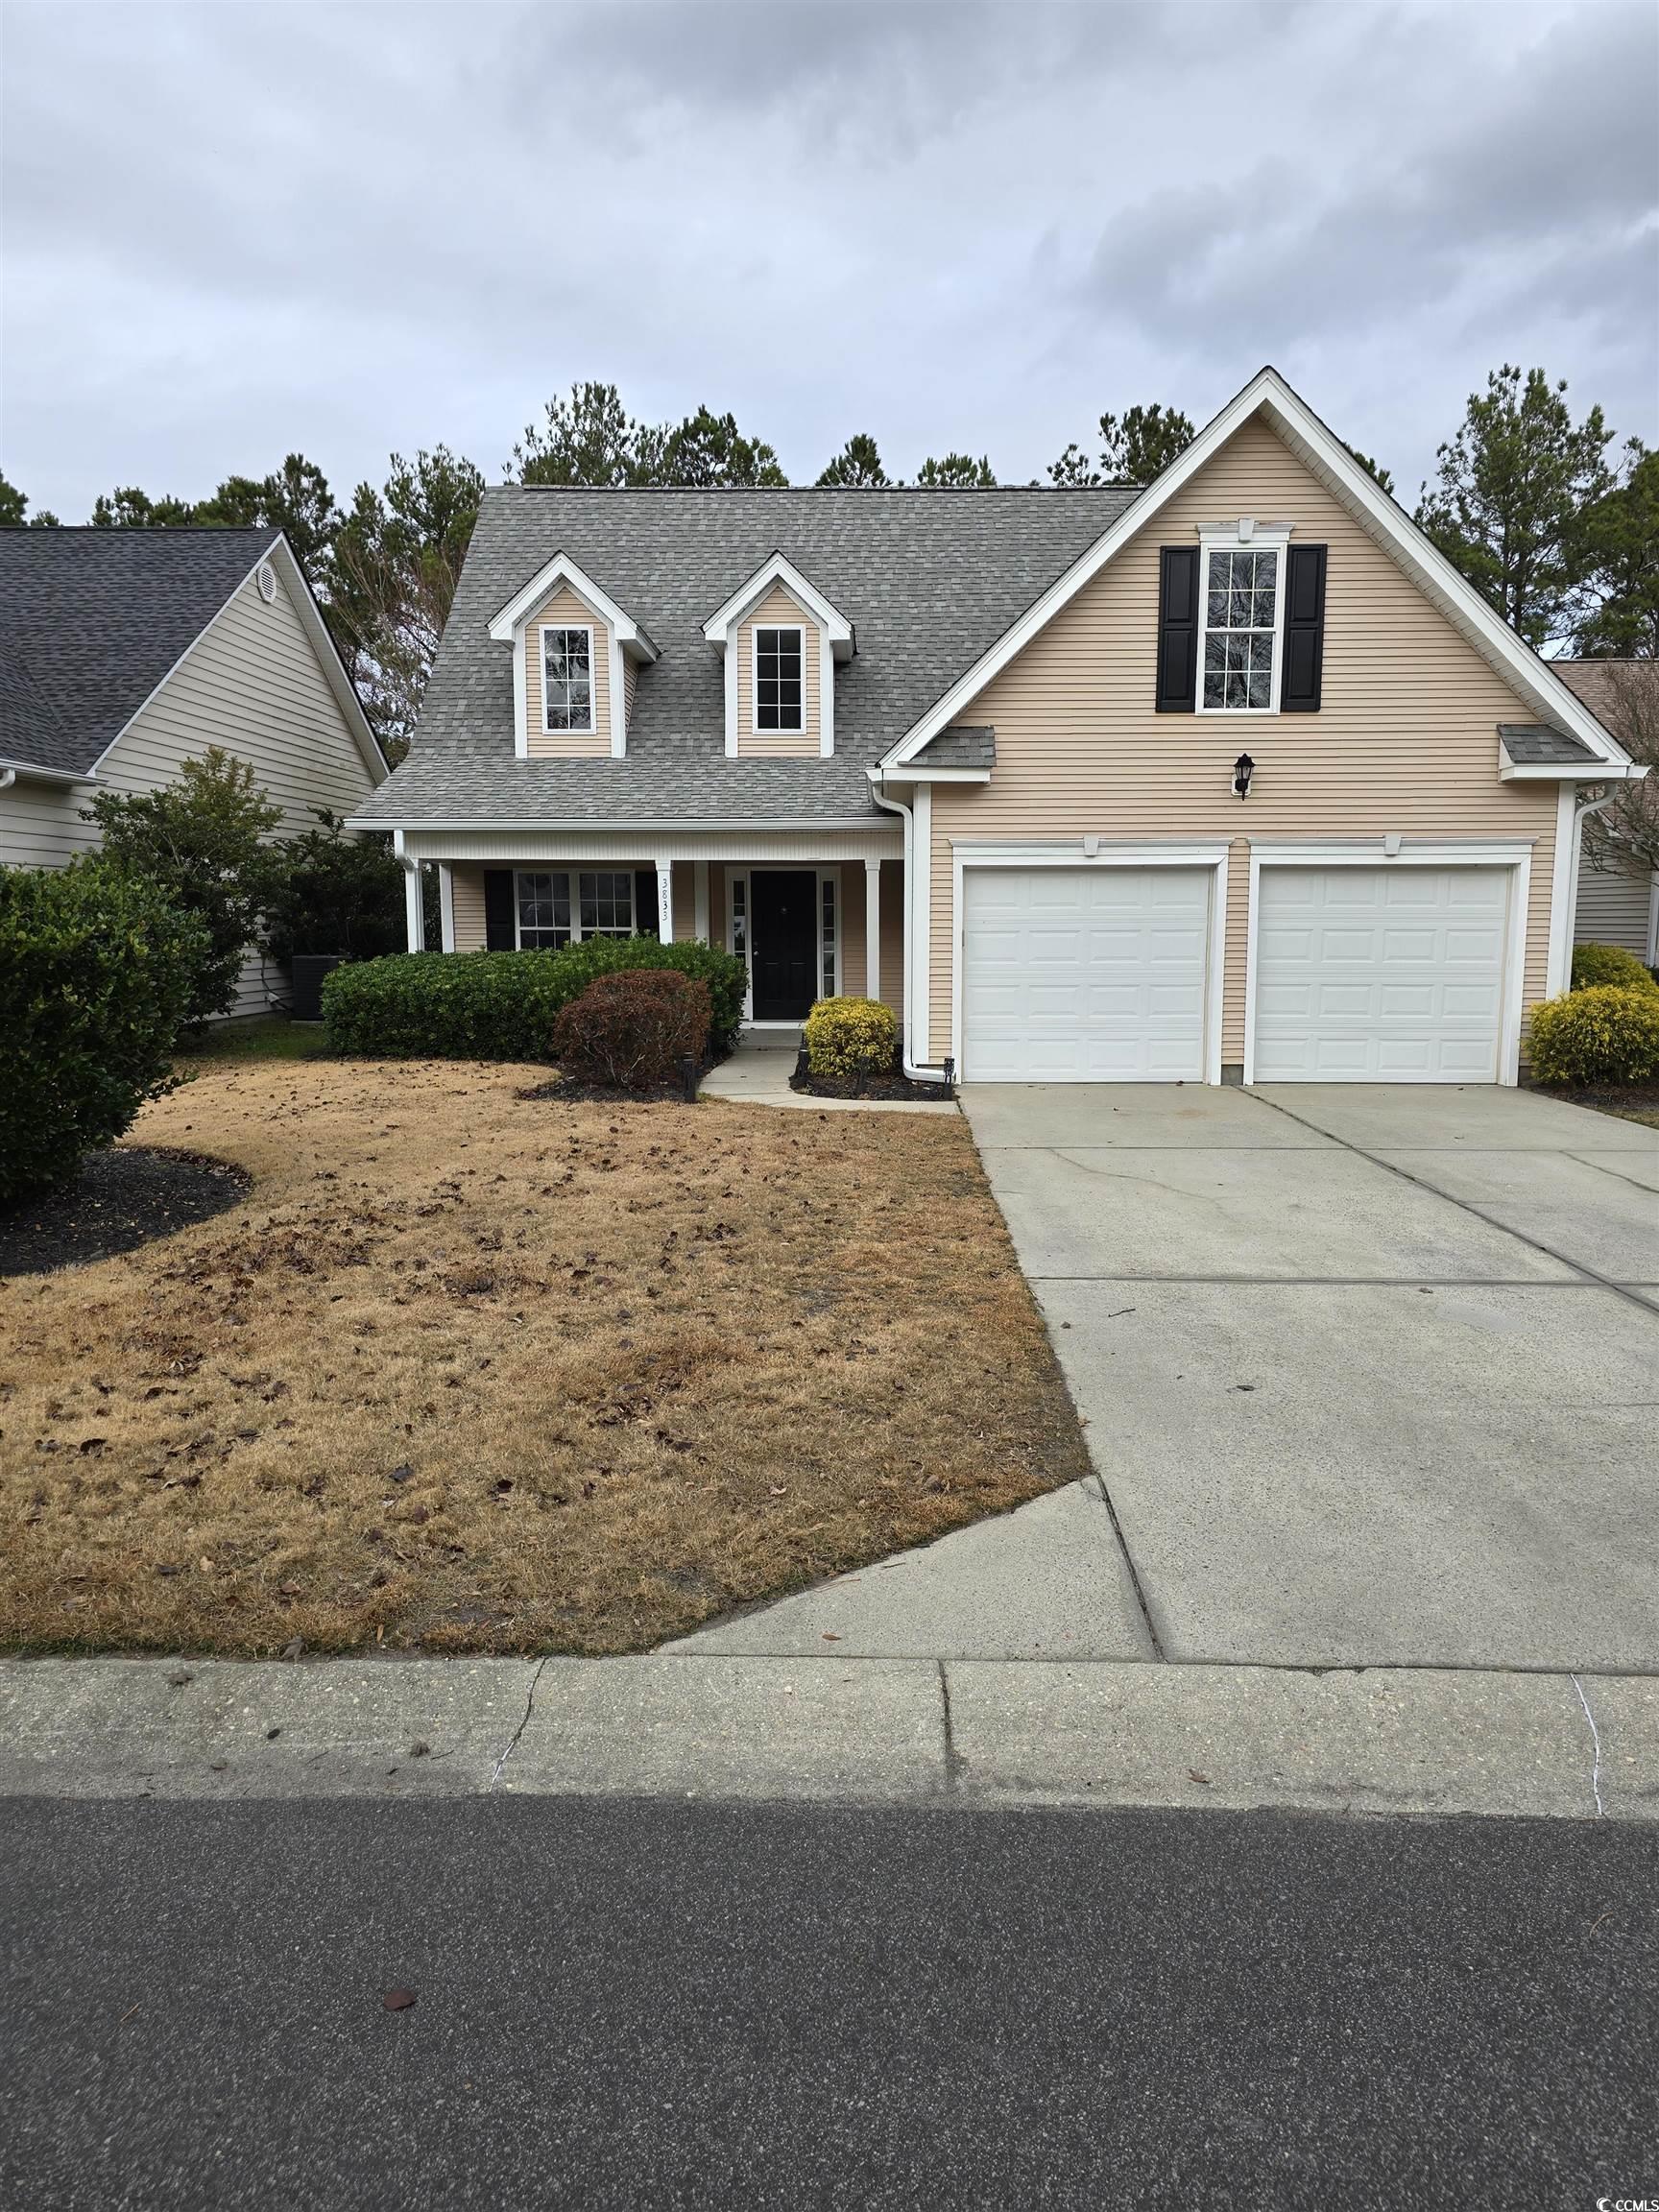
(575, 655)
(779, 638)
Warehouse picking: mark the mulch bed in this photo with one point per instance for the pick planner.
(566, 1094)
(1622, 1098)
(122, 1198)
(870, 1087)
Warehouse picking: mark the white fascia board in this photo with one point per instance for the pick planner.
(921, 773)
(561, 569)
(282, 558)
(777, 569)
(693, 825)
(28, 772)
(1268, 394)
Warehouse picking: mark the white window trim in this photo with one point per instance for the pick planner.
(966, 853)
(1246, 536)
(837, 937)
(781, 729)
(575, 873)
(589, 728)
(1417, 853)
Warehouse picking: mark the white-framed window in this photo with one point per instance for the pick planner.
(1242, 601)
(779, 676)
(549, 918)
(568, 679)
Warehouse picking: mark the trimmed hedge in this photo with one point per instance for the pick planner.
(633, 1030)
(1598, 964)
(851, 1037)
(96, 975)
(1604, 1034)
(502, 1005)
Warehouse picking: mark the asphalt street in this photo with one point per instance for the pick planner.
(624, 2003)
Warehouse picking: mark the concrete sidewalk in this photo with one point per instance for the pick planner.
(975, 1732)
(758, 1075)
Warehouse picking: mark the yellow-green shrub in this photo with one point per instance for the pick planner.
(1604, 1034)
(851, 1037)
(1596, 964)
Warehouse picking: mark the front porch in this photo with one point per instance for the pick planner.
(812, 915)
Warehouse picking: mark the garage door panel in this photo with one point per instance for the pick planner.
(1375, 975)
(1074, 975)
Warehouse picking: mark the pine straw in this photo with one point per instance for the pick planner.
(469, 1372)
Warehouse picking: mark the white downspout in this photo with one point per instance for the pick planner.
(8, 777)
(917, 1071)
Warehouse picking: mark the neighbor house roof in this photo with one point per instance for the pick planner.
(91, 621)
(1611, 688)
(926, 580)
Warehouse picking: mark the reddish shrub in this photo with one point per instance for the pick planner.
(633, 1030)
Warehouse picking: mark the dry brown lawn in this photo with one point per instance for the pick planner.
(470, 1373)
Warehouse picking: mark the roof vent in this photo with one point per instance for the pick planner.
(266, 579)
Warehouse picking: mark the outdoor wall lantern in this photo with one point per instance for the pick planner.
(1243, 768)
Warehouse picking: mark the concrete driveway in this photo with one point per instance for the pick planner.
(1371, 1375)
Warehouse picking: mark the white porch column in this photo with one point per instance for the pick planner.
(700, 898)
(446, 905)
(665, 900)
(872, 928)
(414, 913)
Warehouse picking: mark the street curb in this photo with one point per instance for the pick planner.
(968, 1732)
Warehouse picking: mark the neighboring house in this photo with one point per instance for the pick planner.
(125, 653)
(1614, 906)
(981, 753)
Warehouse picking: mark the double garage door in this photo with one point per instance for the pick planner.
(1362, 974)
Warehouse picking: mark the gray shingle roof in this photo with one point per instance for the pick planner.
(1534, 744)
(92, 620)
(964, 745)
(930, 580)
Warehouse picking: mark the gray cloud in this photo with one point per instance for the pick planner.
(233, 230)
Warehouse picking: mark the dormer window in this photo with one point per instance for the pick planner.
(779, 678)
(1242, 603)
(568, 679)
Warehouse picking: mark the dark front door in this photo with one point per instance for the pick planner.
(784, 921)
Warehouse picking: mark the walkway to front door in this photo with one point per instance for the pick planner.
(784, 922)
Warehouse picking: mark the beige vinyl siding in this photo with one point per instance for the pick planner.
(1406, 738)
(252, 684)
(564, 610)
(778, 607)
(852, 935)
(685, 902)
(467, 904)
(1614, 909)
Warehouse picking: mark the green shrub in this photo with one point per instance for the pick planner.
(633, 1030)
(96, 971)
(201, 840)
(1594, 965)
(502, 1005)
(1604, 1034)
(331, 893)
(851, 1037)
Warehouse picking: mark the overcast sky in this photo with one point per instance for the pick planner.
(231, 230)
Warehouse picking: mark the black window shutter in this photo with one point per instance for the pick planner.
(644, 902)
(1177, 629)
(500, 923)
(1300, 677)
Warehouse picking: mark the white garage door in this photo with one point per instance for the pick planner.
(1380, 974)
(1084, 974)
